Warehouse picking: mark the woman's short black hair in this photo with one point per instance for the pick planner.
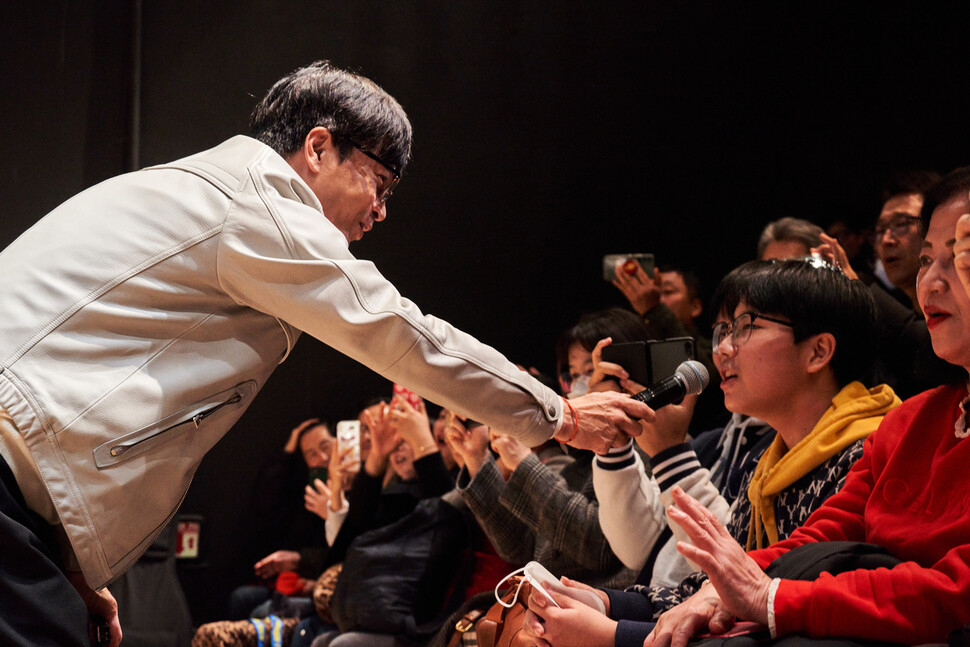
(352, 107)
(622, 325)
(816, 298)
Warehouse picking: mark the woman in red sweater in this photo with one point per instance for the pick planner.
(909, 493)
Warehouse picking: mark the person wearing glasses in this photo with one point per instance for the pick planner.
(905, 503)
(791, 340)
(141, 316)
(905, 359)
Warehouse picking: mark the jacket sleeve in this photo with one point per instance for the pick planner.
(279, 255)
(630, 513)
(632, 505)
(541, 499)
(512, 539)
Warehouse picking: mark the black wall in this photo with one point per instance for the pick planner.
(547, 134)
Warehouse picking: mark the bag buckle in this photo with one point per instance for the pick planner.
(467, 621)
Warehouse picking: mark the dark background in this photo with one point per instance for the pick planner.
(546, 134)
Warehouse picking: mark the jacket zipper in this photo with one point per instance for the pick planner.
(193, 417)
(196, 420)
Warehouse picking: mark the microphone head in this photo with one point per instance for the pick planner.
(694, 375)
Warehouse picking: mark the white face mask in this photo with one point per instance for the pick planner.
(580, 386)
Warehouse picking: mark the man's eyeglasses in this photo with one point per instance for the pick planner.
(898, 226)
(386, 192)
(740, 329)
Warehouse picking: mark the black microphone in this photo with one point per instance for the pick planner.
(690, 378)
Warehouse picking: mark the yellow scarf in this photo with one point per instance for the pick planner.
(855, 413)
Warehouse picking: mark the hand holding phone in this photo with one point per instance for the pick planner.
(348, 442)
(543, 581)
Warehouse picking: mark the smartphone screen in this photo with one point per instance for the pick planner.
(348, 436)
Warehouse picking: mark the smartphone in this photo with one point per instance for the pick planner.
(315, 473)
(348, 436)
(649, 362)
(543, 581)
(412, 398)
(665, 355)
(611, 261)
(632, 356)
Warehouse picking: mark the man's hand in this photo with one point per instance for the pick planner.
(316, 498)
(275, 563)
(740, 582)
(605, 420)
(961, 251)
(99, 603)
(642, 291)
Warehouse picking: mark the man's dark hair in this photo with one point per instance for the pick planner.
(304, 432)
(691, 281)
(956, 182)
(353, 108)
(785, 229)
(906, 182)
(816, 299)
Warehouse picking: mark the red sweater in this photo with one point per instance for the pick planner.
(910, 492)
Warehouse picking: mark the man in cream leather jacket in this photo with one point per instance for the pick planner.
(142, 316)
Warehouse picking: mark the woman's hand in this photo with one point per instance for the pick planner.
(961, 251)
(606, 376)
(574, 625)
(412, 425)
(470, 444)
(510, 451)
(668, 428)
(292, 442)
(832, 251)
(701, 612)
(383, 440)
(739, 581)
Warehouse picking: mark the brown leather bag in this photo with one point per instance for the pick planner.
(502, 626)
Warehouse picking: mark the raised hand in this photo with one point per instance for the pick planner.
(412, 424)
(642, 291)
(316, 498)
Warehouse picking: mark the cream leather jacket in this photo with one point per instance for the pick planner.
(140, 318)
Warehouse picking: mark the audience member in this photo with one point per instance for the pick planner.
(905, 358)
(788, 238)
(896, 237)
(669, 305)
(279, 519)
(910, 579)
(278, 506)
(711, 466)
(791, 339)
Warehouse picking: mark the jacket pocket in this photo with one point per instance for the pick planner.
(191, 418)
